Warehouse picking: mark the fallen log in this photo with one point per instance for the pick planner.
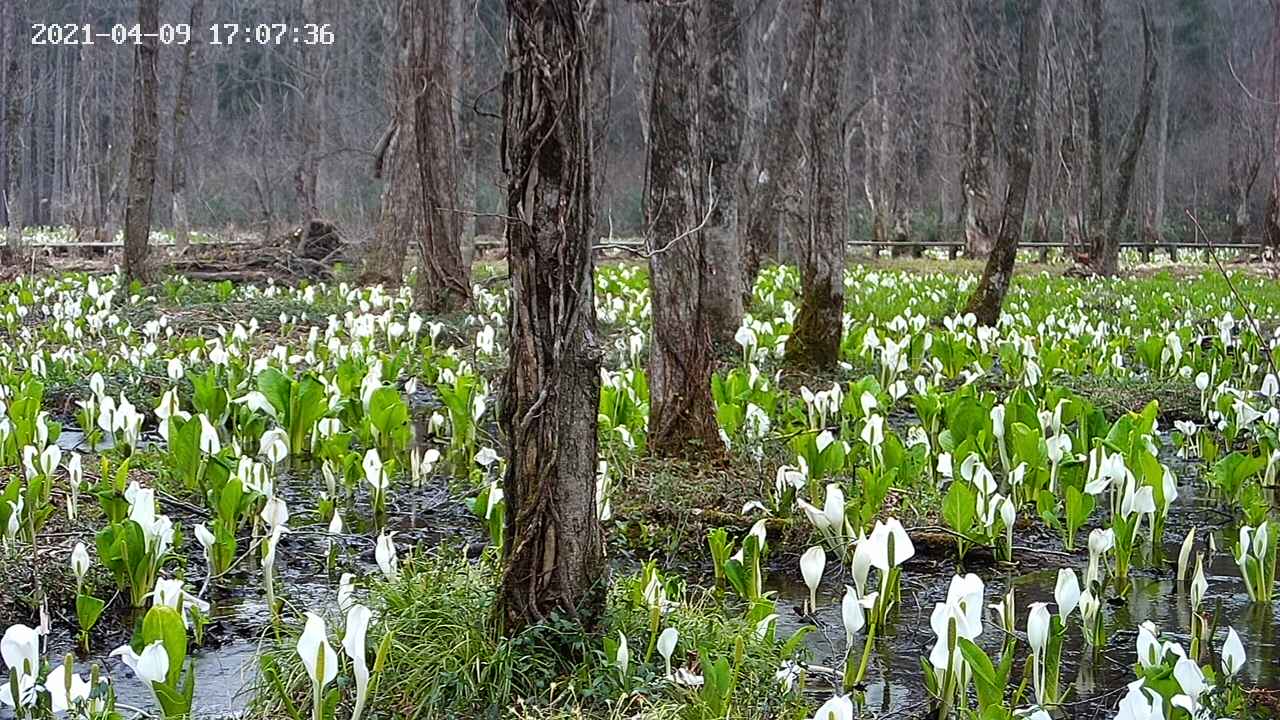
(310, 252)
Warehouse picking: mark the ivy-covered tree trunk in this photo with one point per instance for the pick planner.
(723, 117)
(142, 155)
(987, 299)
(554, 548)
(682, 418)
(815, 340)
(443, 284)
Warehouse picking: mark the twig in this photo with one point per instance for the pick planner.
(651, 253)
(1232, 67)
(711, 206)
(1257, 330)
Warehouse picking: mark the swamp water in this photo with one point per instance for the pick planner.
(226, 665)
(1093, 681)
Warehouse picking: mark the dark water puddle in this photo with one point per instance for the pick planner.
(226, 664)
(428, 516)
(894, 683)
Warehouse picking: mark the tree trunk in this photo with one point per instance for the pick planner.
(641, 71)
(726, 94)
(31, 171)
(306, 176)
(887, 135)
(987, 299)
(443, 284)
(181, 113)
(1108, 262)
(104, 174)
(975, 172)
(1271, 224)
(396, 158)
(1096, 18)
(142, 155)
(1162, 138)
(599, 22)
(400, 214)
(7, 53)
(554, 547)
(815, 341)
(762, 87)
(14, 86)
(780, 157)
(1240, 193)
(1243, 165)
(682, 419)
(468, 127)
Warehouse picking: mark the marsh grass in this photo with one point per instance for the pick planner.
(445, 660)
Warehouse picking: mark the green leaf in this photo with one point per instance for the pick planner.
(958, 507)
(990, 690)
(165, 624)
(1047, 507)
(1028, 445)
(793, 643)
(737, 574)
(173, 703)
(1079, 507)
(229, 502)
(184, 449)
(276, 386)
(717, 681)
(88, 610)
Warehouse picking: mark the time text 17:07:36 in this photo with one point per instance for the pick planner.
(183, 33)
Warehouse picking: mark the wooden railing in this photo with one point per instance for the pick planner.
(953, 248)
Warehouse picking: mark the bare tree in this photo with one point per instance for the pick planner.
(600, 31)
(466, 120)
(682, 419)
(306, 176)
(396, 156)
(181, 116)
(725, 90)
(1107, 260)
(979, 126)
(886, 136)
(1162, 133)
(1095, 17)
(1248, 152)
(819, 325)
(763, 60)
(554, 546)
(987, 299)
(780, 156)
(11, 149)
(925, 139)
(443, 284)
(142, 155)
(1271, 224)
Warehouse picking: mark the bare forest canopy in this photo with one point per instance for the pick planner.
(927, 109)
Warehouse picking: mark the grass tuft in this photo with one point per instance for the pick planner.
(445, 661)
